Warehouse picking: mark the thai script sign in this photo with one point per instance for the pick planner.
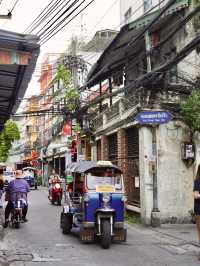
(154, 117)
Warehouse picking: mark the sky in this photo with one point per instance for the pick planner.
(101, 14)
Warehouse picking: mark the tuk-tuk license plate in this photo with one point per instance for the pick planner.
(105, 188)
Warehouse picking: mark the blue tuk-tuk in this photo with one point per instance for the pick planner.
(30, 175)
(95, 202)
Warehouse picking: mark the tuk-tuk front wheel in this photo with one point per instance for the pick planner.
(66, 223)
(106, 234)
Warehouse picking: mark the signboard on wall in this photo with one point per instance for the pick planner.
(154, 117)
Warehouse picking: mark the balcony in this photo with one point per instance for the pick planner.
(113, 112)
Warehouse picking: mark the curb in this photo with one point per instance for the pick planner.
(2, 233)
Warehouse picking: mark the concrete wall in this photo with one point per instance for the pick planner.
(146, 180)
(175, 178)
(136, 6)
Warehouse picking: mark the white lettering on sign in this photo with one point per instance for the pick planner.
(153, 116)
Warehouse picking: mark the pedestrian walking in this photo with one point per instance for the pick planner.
(1, 187)
(197, 202)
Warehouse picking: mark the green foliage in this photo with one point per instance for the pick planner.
(71, 95)
(191, 111)
(196, 18)
(132, 218)
(7, 136)
(77, 128)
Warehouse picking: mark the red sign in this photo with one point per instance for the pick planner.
(34, 155)
(67, 129)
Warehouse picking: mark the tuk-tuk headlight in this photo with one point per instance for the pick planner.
(86, 198)
(106, 197)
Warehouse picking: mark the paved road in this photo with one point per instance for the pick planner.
(40, 242)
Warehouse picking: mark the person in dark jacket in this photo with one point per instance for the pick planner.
(19, 185)
(197, 202)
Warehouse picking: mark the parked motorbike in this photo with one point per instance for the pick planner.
(56, 193)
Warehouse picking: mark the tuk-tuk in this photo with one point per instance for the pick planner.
(95, 202)
(30, 175)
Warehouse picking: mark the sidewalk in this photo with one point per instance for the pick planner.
(184, 232)
(179, 232)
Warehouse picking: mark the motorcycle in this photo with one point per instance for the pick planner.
(56, 193)
(17, 212)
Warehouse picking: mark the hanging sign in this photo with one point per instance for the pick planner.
(154, 117)
(67, 129)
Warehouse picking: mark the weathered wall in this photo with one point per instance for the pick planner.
(175, 178)
(146, 188)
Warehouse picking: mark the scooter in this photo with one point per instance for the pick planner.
(56, 193)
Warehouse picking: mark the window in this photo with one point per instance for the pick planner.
(147, 5)
(127, 15)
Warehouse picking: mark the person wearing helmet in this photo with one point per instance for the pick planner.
(18, 185)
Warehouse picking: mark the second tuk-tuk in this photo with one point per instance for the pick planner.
(95, 202)
(30, 175)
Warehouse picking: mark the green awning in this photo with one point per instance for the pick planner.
(144, 20)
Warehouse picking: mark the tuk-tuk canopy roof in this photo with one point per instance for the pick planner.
(29, 168)
(87, 166)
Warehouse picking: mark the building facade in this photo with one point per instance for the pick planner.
(158, 176)
(131, 10)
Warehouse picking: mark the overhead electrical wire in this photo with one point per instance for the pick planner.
(163, 10)
(48, 14)
(105, 14)
(40, 16)
(58, 30)
(53, 15)
(45, 30)
(14, 6)
(145, 14)
(150, 76)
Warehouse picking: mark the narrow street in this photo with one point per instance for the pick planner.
(40, 242)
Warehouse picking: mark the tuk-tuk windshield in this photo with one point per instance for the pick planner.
(104, 178)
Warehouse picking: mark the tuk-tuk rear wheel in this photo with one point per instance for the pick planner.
(106, 234)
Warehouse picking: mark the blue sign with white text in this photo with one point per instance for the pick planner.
(154, 117)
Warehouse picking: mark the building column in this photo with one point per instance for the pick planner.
(122, 155)
(104, 148)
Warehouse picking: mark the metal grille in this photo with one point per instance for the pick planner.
(133, 188)
(98, 143)
(113, 148)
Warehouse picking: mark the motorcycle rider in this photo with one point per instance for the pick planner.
(19, 185)
(54, 178)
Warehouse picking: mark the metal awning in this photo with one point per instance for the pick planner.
(18, 56)
(115, 55)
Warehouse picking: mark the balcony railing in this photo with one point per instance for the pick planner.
(113, 112)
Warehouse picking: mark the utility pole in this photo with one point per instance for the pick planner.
(155, 214)
(74, 63)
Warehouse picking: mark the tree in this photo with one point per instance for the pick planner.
(71, 95)
(9, 134)
(191, 111)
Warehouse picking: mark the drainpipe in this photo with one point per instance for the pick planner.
(155, 213)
